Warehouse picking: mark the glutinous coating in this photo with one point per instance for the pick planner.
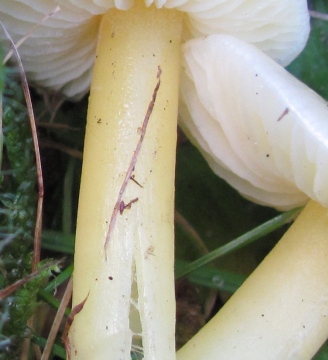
(260, 129)
(59, 54)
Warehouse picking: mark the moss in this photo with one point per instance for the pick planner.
(18, 206)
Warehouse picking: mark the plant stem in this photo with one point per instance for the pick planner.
(280, 311)
(132, 46)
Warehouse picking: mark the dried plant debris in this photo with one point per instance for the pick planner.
(18, 198)
(190, 314)
(18, 308)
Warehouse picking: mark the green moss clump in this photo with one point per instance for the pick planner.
(18, 197)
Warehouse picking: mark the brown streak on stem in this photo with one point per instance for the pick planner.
(135, 181)
(133, 161)
(124, 206)
(284, 113)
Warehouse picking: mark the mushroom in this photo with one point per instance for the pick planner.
(273, 148)
(280, 311)
(125, 221)
(271, 144)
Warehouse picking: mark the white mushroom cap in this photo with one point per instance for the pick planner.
(60, 53)
(260, 129)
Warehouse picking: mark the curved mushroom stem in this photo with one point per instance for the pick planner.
(135, 200)
(281, 311)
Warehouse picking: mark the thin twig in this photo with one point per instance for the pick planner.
(318, 15)
(26, 36)
(133, 162)
(66, 149)
(27, 95)
(19, 283)
(185, 224)
(57, 321)
(57, 126)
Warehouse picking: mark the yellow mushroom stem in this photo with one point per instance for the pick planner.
(133, 45)
(281, 311)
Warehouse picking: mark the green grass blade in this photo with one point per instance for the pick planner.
(239, 242)
(213, 278)
(56, 349)
(58, 241)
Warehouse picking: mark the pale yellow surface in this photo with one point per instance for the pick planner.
(281, 311)
(132, 45)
